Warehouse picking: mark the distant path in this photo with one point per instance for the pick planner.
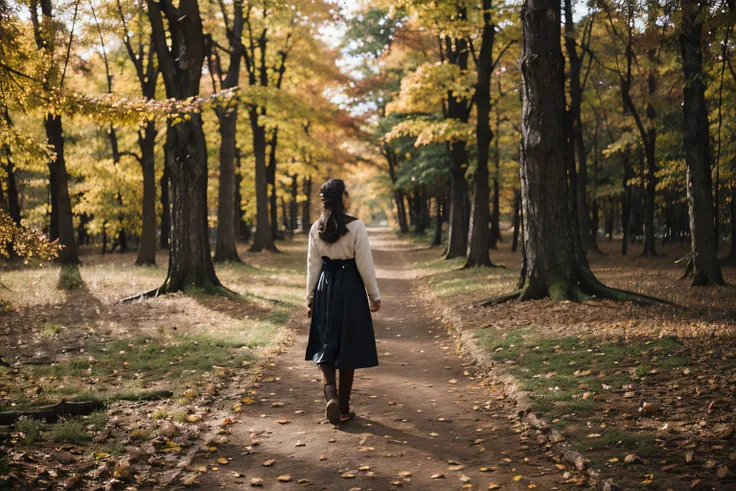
(399, 405)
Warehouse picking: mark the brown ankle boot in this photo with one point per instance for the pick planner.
(332, 410)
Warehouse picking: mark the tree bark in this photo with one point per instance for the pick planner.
(271, 180)
(263, 239)
(458, 108)
(517, 221)
(706, 268)
(575, 122)
(437, 236)
(293, 205)
(165, 200)
(60, 192)
(478, 236)
(147, 247)
(190, 262)
(12, 192)
(307, 205)
(554, 263)
(495, 232)
(226, 243)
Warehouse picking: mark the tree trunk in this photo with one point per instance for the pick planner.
(239, 224)
(575, 123)
(307, 205)
(458, 109)
(517, 222)
(147, 247)
(271, 180)
(60, 192)
(733, 224)
(165, 201)
(478, 238)
(554, 261)
(437, 236)
(190, 262)
(626, 198)
(226, 243)
(263, 238)
(293, 205)
(706, 269)
(12, 192)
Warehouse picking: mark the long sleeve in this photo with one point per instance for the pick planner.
(314, 265)
(364, 261)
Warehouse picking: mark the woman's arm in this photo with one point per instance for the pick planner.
(364, 260)
(314, 264)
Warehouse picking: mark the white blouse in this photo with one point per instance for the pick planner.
(353, 244)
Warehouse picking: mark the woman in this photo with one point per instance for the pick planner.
(339, 272)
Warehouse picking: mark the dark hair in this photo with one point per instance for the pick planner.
(333, 219)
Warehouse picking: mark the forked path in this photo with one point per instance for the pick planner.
(423, 422)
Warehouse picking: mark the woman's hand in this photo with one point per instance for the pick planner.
(376, 306)
(309, 308)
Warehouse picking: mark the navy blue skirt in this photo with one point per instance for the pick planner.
(341, 331)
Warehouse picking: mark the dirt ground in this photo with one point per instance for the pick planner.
(423, 420)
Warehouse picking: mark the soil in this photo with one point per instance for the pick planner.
(425, 420)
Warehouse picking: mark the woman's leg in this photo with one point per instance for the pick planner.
(346, 386)
(328, 380)
(332, 410)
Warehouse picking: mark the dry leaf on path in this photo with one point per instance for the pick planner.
(284, 478)
(269, 462)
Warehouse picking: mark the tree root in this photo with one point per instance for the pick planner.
(585, 289)
(161, 290)
(208, 288)
(51, 414)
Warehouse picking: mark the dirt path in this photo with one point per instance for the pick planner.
(419, 412)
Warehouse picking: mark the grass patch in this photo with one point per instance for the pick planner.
(70, 431)
(641, 442)
(49, 329)
(563, 373)
(30, 428)
(70, 278)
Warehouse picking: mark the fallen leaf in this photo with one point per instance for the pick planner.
(437, 476)
(494, 486)
(518, 478)
(256, 482)
(300, 443)
(283, 421)
(405, 474)
(347, 475)
(269, 462)
(222, 461)
(284, 478)
(303, 480)
(364, 468)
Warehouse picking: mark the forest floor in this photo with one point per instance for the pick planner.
(157, 365)
(214, 393)
(645, 393)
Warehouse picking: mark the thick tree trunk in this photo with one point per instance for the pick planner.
(147, 247)
(554, 262)
(478, 239)
(418, 212)
(60, 191)
(226, 243)
(706, 268)
(190, 262)
(495, 232)
(307, 205)
(401, 212)
(263, 239)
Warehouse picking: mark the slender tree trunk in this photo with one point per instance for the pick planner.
(226, 243)
(733, 224)
(478, 239)
(147, 247)
(238, 213)
(165, 201)
(12, 192)
(437, 236)
(495, 231)
(307, 205)
(626, 199)
(706, 268)
(575, 129)
(271, 180)
(263, 238)
(517, 221)
(457, 241)
(293, 205)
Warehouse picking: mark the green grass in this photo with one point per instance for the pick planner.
(70, 278)
(70, 431)
(557, 371)
(641, 442)
(50, 329)
(30, 428)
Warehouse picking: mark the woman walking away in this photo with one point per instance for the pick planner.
(339, 272)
